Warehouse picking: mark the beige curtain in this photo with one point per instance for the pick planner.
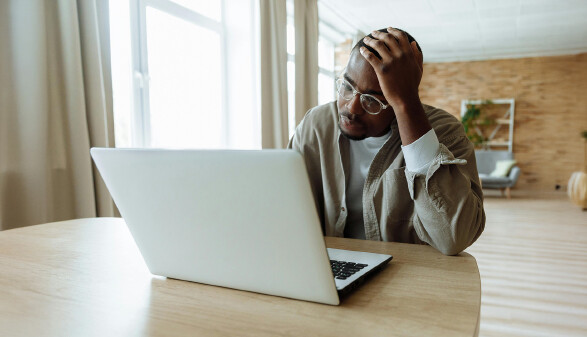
(306, 31)
(55, 103)
(273, 74)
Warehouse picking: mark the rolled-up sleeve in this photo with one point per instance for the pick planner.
(448, 198)
(420, 154)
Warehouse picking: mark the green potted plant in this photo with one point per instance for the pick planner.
(474, 117)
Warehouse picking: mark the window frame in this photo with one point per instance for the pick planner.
(330, 73)
(141, 114)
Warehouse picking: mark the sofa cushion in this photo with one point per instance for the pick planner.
(489, 180)
(486, 159)
(502, 168)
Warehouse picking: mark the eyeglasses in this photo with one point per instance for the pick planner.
(370, 104)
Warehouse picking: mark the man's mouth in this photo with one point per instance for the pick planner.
(350, 124)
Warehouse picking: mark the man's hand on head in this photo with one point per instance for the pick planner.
(399, 70)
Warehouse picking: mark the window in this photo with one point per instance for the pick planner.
(175, 65)
(328, 38)
(335, 37)
(326, 73)
(185, 91)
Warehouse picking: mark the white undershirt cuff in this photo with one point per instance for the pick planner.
(420, 154)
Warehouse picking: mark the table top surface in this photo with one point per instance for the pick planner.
(86, 277)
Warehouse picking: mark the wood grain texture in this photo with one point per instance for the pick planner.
(550, 112)
(87, 278)
(533, 263)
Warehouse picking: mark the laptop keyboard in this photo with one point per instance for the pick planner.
(342, 270)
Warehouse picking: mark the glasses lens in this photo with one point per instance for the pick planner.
(344, 89)
(370, 104)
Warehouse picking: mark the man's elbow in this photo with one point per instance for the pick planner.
(456, 246)
(451, 249)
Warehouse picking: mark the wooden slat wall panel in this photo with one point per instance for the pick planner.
(551, 108)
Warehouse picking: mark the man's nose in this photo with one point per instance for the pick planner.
(354, 105)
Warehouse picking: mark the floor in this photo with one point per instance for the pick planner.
(532, 259)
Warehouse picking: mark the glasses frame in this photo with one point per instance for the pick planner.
(356, 92)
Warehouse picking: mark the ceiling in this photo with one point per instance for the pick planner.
(464, 30)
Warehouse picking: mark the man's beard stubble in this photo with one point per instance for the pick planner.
(347, 136)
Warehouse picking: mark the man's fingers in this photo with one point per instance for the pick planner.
(401, 37)
(390, 42)
(370, 57)
(378, 45)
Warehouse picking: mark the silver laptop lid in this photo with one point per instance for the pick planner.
(238, 219)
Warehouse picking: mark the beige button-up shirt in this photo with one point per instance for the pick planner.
(443, 208)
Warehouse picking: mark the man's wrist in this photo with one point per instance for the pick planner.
(411, 119)
(407, 105)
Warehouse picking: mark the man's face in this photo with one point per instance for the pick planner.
(354, 122)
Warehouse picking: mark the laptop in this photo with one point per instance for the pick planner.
(237, 219)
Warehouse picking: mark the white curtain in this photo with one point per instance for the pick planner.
(55, 103)
(274, 130)
(306, 58)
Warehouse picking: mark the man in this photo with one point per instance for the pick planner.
(382, 165)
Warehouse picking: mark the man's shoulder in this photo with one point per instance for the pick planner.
(322, 116)
(444, 124)
(319, 122)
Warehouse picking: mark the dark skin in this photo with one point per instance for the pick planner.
(394, 80)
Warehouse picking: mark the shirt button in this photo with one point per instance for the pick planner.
(343, 209)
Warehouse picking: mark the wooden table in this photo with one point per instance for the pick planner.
(86, 278)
